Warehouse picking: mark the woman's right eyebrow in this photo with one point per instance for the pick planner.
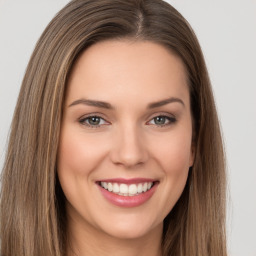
(94, 103)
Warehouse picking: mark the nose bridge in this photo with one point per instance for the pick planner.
(129, 147)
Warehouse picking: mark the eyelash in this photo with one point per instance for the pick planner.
(84, 121)
(171, 120)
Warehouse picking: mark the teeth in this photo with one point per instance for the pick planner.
(110, 187)
(123, 188)
(104, 185)
(116, 188)
(145, 187)
(140, 188)
(127, 190)
(133, 189)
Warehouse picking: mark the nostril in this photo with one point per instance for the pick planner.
(129, 159)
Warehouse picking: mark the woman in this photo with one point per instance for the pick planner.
(115, 146)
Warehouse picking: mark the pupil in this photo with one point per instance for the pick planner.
(94, 120)
(160, 120)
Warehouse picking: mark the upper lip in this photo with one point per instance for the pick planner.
(128, 181)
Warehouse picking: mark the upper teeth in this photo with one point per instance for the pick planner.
(126, 190)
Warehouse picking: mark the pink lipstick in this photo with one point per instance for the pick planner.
(127, 192)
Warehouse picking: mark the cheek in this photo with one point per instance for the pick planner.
(174, 153)
(78, 154)
(175, 162)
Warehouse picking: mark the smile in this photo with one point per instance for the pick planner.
(127, 193)
(125, 189)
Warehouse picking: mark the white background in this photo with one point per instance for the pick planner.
(227, 32)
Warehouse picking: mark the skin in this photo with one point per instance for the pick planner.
(127, 143)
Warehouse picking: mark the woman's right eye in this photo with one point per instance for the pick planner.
(93, 121)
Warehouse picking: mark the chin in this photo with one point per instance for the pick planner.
(128, 230)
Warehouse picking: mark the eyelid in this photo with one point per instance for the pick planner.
(82, 119)
(172, 118)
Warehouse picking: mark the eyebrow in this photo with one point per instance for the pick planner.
(94, 103)
(165, 102)
(102, 104)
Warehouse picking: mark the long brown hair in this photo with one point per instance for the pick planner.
(32, 202)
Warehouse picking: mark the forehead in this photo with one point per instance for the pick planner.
(127, 69)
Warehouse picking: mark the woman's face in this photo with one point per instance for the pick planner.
(125, 146)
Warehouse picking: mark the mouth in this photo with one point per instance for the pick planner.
(127, 193)
(123, 189)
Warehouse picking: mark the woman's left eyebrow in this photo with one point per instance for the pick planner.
(94, 103)
(165, 102)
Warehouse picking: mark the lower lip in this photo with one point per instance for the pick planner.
(128, 201)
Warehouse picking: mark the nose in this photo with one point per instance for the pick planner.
(129, 148)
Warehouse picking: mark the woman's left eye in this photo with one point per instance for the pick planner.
(162, 120)
(93, 121)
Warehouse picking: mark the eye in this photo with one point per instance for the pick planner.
(162, 120)
(93, 121)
